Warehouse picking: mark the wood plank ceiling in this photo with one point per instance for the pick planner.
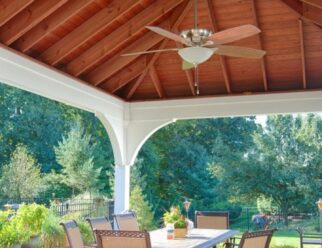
(85, 38)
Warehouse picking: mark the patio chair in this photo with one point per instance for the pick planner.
(212, 219)
(126, 222)
(309, 238)
(73, 234)
(123, 239)
(258, 239)
(99, 223)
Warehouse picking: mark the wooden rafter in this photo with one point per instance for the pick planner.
(9, 8)
(260, 42)
(125, 75)
(27, 19)
(86, 30)
(156, 81)
(295, 5)
(302, 53)
(223, 62)
(313, 14)
(177, 18)
(49, 24)
(307, 12)
(315, 3)
(117, 62)
(120, 36)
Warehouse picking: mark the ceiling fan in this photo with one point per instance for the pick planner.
(201, 44)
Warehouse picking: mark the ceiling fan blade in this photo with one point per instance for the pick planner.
(168, 34)
(186, 65)
(150, 51)
(236, 51)
(234, 34)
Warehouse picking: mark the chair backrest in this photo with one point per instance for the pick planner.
(99, 223)
(122, 239)
(127, 222)
(212, 219)
(259, 239)
(73, 234)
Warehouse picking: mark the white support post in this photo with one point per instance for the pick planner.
(121, 188)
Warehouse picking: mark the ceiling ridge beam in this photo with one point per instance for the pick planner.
(84, 32)
(260, 43)
(303, 54)
(51, 23)
(9, 8)
(27, 19)
(156, 82)
(178, 16)
(120, 36)
(223, 62)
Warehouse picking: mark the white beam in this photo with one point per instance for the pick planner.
(209, 107)
(22, 72)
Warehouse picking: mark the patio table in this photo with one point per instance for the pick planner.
(198, 238)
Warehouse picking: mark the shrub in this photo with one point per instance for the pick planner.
(11, 235)
(31, 217)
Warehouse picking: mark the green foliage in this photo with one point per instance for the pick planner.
(52, 234)
(11, 235)
(31, 217)
(75, 154)
(142, 209)
(21, 177)
(175, 217)
(39, 123)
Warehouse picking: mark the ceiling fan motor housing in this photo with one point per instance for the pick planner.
(196, 36)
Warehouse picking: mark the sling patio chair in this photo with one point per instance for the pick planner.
(258, 239)
(126, 221)
(122, 239)
(212, 219)
(99, 223)
(73, 234)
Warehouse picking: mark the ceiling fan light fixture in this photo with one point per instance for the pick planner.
(196, 55)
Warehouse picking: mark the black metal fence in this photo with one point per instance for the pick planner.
(253, 219)
(83, 207)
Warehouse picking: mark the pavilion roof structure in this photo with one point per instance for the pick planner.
(86, 38)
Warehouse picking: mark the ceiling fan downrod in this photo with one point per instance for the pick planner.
(196, 14)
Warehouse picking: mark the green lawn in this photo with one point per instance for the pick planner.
(288, 239)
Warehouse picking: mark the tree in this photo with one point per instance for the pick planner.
(142, 209)
(21, 177)
(75, 154)
(278, 167)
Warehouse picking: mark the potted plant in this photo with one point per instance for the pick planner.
(175, 217)
(31, 217)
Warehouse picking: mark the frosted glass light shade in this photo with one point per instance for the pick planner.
(196, 55)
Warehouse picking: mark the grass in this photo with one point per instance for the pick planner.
(288, 239)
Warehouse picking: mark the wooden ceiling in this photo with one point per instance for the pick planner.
(85, 38)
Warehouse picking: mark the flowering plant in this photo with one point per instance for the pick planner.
(175, 217)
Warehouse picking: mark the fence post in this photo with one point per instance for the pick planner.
(247, 216)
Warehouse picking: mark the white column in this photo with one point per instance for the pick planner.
(122, 188)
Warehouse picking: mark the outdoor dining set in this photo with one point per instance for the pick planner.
(211, 228)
